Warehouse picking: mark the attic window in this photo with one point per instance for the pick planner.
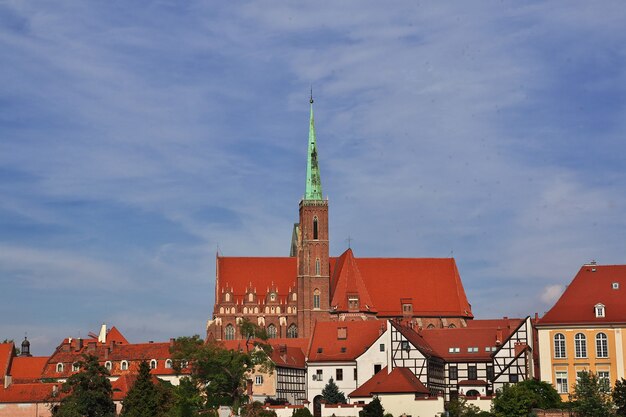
(472, 349)
(353, 302)
(599, 308)
(75, 367)
(59, 367)
(405, 345)
(153, 364)
(108, 365)
(615, 285)
(343, 349)
(342, 333)
(454, 350)
(320, 350)
(407, 308)
(124, 366)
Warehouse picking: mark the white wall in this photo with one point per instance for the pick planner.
(398, 404)
(373, 356)
(483, 403)
(343, 410)
(329, 370)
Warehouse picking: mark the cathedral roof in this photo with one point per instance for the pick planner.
(399, 380)
(337, 341)
(432, 285)
(593, 285)
(347, 281)
(239, 273)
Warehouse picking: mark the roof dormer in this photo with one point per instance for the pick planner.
(599, 310)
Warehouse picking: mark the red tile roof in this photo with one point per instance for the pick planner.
(6, 352)
(116, 336)
(327, 346)
(592, 285)
(27, 393)
(400, 380)
(27, 369)
(417, 339)
(239, 273)
(480, 334)
(347, 281)
(432, 285)
(286, 352)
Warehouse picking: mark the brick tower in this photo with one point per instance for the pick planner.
(312, 247)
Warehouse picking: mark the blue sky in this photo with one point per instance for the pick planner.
(137, 137)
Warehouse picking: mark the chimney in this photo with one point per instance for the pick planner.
(91, 346)
(498, 336)
(102, 336)
(342, 333)
(79, 344)
(172, 340)
(282, 348)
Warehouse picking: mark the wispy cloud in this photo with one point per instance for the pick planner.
(136, 139)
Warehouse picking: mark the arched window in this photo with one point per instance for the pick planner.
(251, 297)
(168, 364)
(227, 297)
(59, 367)
(292, 332)
(245, 310)
(278, 310)
(271, 331)
(318, 267)
(229, 332)
(580, 345)
(256, 310)
(316, 299)
(315, 233)
(124, 366)
(430, 326)
(451, 326)
(153, 364)
(75, 367)
(288, 309)
(602, 346)
(294, 296)
(559, 345)
(108, 365)
(221, 310)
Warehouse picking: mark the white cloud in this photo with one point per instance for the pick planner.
(551, 293)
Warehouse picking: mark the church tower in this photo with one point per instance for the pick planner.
(312, 247)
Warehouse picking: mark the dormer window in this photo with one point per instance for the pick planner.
(600, 312)
(124, 365)
(353, 302)
(108, 365)
(168, 364)
(59, 368)
(153, 364)
(407, 308)
(75, 367)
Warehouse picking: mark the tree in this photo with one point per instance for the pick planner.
(88, 392)
(145, 399)
(458, 407)
(619, 397)
(332, 395)
(373, 409)
(256, 409)
(301, 412)
(186, 399)
(518, 400)
(222, 373)
(592, 397)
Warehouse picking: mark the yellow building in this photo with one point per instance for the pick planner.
(586, 329)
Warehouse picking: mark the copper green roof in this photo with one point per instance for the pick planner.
(313, 180)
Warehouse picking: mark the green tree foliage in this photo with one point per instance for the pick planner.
(373, 409)
(332, 395)
(145, 398)
(88, 392)
(459, 408)
(591, 397)
(186, 399)
(301, 412)
(619, 397)
(518, 400)
(221, 372)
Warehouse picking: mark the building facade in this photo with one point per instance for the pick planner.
(586, 329)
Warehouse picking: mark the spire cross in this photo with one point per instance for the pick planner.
(311, 97)
(349, 240)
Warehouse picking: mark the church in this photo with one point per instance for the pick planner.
(288, 295)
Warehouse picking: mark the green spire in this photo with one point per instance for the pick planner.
(313, 181)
